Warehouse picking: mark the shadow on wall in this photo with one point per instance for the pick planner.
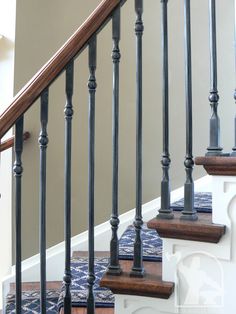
(6, 46)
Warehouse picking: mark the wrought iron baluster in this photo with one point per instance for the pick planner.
(214, 148)
(68, 143)
(138, 269)
(114, 266)
(18, 170)
(43, 142)
(234, 148)
(189, 213)
(92, 85)
(165, 210)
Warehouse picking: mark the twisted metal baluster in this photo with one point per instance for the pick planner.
(114, 266)
(165, 211)
(137, 269)
(92, 85)
(68, 143)
(43, 142)
(189, 213)
(214, 148)
(18, 170)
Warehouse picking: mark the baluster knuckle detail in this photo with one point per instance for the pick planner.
(214, 97)
(91, 279)
(138, 223)
(69, 111)
(18, 169)
(114, 221)
(165, 161)
(189, 163)
(116, 55)
(139, 27)
(92, 84)
(67, 279)
(43, 140)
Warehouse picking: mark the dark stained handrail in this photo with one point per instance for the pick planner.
(49, 72)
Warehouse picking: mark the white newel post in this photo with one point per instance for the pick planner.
(7, 53)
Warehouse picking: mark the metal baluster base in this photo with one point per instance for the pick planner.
(165, 214)
(114, 270)
(137, 272)
(215, 151)
(189, 215)
(138, 269)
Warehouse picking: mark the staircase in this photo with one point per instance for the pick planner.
(180, 261)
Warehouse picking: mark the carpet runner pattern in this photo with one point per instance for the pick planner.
(152, 244)
(152, 251)
(31, 302)
(79, 269)
(202, 203)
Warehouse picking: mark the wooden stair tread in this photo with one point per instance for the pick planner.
(85, 254)
(151, 285)
(218, 165)
(35, 286)
(202, 230)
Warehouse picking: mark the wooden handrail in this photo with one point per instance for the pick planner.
(49, 72)
(10, 141)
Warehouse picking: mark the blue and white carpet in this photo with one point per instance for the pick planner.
(152, 244)
(31, 302)
(79, 270)
(202, 203)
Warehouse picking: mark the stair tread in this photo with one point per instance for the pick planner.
(35, 286)
(151, 285)
(218, 165)
(96, 253)
(202, 230)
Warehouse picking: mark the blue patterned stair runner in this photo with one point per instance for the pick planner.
(31, 302)
(79, 269)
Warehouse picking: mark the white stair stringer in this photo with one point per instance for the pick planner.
(204, 273)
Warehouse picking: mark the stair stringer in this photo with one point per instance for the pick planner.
(129, 304)
(214, 265)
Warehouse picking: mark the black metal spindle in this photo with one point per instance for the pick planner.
(18, 170)
(189, 213)
(138, 269)
(234, 148)
(43, 142)
(114, 266)
(68, 148)
(92, 85)
(165, 211)
(214, 148)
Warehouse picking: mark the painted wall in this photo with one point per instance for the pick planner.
(7, 46)
(41, 28)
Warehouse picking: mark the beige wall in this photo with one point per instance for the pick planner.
(42, 27)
